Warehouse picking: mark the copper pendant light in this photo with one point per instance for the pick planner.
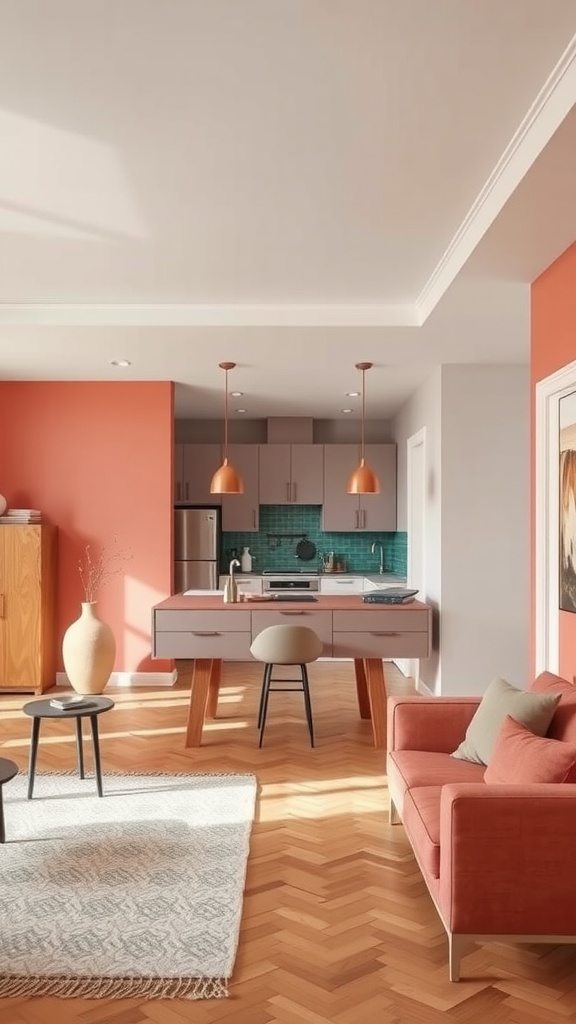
(226, 480)
(363, 480)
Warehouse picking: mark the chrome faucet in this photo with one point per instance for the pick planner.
(378, 544)
(230, 587)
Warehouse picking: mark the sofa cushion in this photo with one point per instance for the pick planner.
(425, 768)
(521, 757)
(563, 724)
(422, 823)
(528, 707)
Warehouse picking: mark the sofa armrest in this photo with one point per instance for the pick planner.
(429, 723)
(507, 856)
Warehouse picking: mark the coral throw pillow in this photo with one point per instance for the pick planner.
(521, 757)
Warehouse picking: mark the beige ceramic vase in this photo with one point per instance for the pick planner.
(88, 651)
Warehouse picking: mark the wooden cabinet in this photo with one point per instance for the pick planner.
(291, 474)
(199, 463)
(28, 632)
(240, 512)
(373, 513)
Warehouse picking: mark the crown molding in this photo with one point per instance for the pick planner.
(13, 314)
(552, 104)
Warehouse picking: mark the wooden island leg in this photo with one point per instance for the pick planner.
(214, 688)
(378, 697)
(201, 674)
(361, 688)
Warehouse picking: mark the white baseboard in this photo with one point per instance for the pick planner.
(123, 680)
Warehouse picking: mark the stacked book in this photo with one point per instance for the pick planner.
(21, 515)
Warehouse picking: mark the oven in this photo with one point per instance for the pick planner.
(290, 582)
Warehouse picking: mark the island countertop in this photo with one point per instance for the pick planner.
(323, 602)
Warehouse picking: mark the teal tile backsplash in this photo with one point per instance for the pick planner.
(269, 552)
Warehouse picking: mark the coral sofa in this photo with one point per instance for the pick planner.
(499, 860)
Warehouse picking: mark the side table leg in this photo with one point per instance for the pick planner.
(32, 757)
(79, 750)
(96, 745)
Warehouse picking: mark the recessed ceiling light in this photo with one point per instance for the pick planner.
(347, 410)
(240, 410)
(353, 394)
(120, 362)
(236, 394)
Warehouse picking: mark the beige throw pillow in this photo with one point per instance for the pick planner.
(534, 710)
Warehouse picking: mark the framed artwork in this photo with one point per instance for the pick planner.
(567, 501)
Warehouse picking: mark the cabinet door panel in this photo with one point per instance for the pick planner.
(340, 511)
(378, 511)
(178, 472)
(240, 512)
(274, 474)
(200, 463)
(307, 477)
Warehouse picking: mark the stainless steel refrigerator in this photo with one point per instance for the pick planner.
(196, 548)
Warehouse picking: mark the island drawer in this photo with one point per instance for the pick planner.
(203, 644)
(395, 618)
(320, 622)
(186, 620)
(381, 644)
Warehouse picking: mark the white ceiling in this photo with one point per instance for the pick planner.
(294, 185)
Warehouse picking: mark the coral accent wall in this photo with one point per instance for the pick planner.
(96, 458)
(554, 346)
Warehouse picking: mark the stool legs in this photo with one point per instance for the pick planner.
(32, 756)
(267, 689)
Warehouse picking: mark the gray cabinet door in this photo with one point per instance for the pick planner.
(307, 477)
(200, 463)
(274, 474)
(343, 512)
(240, 512)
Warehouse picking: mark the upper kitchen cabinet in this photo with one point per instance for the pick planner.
(344, 512)
(240, 512)
(199, 463)
(291, 474)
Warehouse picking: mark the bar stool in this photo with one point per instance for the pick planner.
(286, 645)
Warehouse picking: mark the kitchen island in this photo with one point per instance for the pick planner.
(208, 631)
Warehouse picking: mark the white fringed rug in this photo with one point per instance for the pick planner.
(138, 893)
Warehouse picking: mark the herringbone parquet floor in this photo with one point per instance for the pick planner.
(337, 923)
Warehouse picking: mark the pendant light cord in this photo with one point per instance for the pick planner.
(363, 415)
(226, 418)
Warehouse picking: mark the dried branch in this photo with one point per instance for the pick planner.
(96, 570)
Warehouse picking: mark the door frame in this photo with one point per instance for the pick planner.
(549, 392)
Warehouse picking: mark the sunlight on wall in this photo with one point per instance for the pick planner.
(54, 182)
(139, 598)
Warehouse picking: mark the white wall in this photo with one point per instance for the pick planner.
(485, 526)
(477, 550)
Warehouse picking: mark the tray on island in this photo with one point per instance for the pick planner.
(390, 595)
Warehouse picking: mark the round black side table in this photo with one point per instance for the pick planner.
(7, 771)
(39, 709)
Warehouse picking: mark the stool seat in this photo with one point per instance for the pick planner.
(285, 645)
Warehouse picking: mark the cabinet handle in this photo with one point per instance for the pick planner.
(288, 490)
(187, 490)
(384, 632)
(212, 632)
(2, 606)
(364, 518)
(254, 523)
(293, 492)
(357, 520)
(178, 490)
(292, 613)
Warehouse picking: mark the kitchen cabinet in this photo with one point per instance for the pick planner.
(199, 463)
(241, 512)
(344, 512)
(245, 584)
(333, 584)
(28, 630)
(291, 474)
(178, 472)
